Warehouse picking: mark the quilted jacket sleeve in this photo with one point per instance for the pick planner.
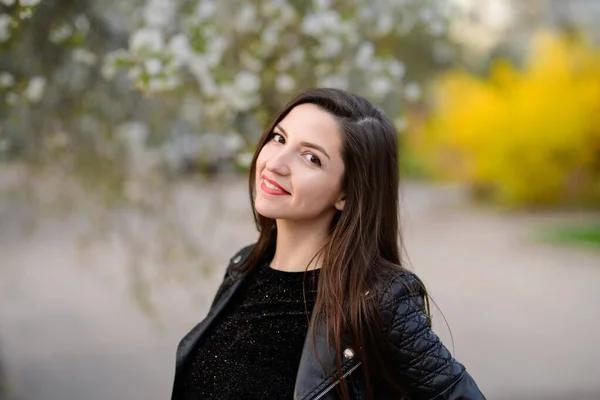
(423, 365)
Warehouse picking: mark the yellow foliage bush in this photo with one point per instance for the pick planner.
(529, 136)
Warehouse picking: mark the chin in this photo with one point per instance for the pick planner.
(267, 212)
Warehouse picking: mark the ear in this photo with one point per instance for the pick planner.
(340, 203)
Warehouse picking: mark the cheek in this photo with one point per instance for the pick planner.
(317, 191)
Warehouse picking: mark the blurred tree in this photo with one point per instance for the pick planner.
(218, 67)
(109, 100)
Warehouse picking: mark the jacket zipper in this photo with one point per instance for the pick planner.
(334, 384)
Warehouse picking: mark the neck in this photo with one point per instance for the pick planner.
(297, 244)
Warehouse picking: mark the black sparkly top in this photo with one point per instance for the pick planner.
(254, 351)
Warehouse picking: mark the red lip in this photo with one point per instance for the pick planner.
(274, 184)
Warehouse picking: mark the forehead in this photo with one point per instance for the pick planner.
(308, 122)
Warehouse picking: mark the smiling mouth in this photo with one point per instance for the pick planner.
(271, 187)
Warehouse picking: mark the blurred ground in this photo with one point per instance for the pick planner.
(523, 315)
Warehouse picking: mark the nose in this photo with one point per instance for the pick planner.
(278, 163)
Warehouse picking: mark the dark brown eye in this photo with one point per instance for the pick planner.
(278, 138)
(313, 159)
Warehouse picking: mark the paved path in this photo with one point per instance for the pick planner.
(524, 316)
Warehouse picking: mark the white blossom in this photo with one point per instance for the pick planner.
(334, 81)
(108, 70)
(82, 23)
(198, 67)
(146, 39)
(25, 13)
(7, 2)
(269, 36)
(291, 59)
(61, 33)
(246, 18)
(287, 14)
(412, 91)
(331, 47)
(396, 69)
(380, 86)
(285, 83)
(159, 13)
(322, 4)
(215, 49)
(426, 14)
(298, 55)
(179, 47)
(205, 9)
(84, 56)
(6, 80)
(29, 3)
(162, 84)
(247, 81)
(330, 19)
(400, 123)
(35, 89)
(4, 28)
(364, 55)
(153, 66)
(109, 66)
(385, 23)
(321, 23)
(311, 25)
(338, 49)
(135, 73)
(237, 99)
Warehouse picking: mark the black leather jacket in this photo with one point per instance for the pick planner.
(425, 368)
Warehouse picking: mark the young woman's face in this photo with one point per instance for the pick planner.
(299, 170)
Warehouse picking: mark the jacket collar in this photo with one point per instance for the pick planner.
(188, 343)
(313, 380)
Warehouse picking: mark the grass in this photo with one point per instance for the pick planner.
(585, 234)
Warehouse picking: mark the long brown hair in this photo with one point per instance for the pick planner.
(363, 249)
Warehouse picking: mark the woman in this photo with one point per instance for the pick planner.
(321, 306)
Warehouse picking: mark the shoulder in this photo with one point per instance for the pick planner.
(403, 297)
(239, 257)
(228, 279)
(401, 285)
(241, 254)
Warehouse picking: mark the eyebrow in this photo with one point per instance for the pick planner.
(306, 144)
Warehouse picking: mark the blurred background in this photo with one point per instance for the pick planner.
(126, 130)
